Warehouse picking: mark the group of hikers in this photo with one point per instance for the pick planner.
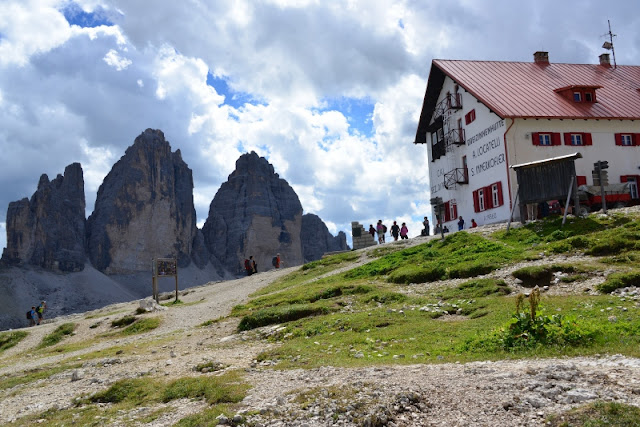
(380, 229)
(396, 231)
(251, 267)
(36, 314)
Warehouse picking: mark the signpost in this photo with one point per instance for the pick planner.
(164, 267)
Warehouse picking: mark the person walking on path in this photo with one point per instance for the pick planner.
(381, 228)
(33, 316)
(404, 231)
(395, 231)
(276, 261)
(473, 223)
(40, 310)
(460, 223)
(425, 232)
(372, 231)
(254, 266)
(247, 266)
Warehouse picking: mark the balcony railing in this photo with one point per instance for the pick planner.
(455, 177)
(449, 102)
(455, 136)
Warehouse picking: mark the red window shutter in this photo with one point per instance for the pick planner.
(555, 139)
(455, 211)
(467, 119)
(567, 139)
(623, 178)
(582, 180)
(618, 139)
(535, 138)
(476, 202)
(500, 199)
(488, 198)
(635, 139)
(447, 216)
(586, 139)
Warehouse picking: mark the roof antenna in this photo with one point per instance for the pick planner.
(609, 45)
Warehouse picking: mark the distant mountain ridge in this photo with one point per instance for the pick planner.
(144, 209)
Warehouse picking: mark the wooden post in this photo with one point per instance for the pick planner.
(566, 205)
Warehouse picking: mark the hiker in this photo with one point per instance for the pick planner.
(275, 261)
(473, 223)
(372, 231)
(425, 231)
(460, 224)
(254, 266)
(40, 310)
(445, 229)
(247, 266)
(381, 229)
(395, 230)
(404, 231)
(32, 315)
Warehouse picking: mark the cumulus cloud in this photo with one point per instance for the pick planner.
(329, 92)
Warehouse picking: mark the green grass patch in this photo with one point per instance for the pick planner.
(459, 255)
(476, 288)
(213, 389)
(598, 414)
(123, 321)
(142, 326)
(280, 314)
(27, 377)
(10, 339)
(57, 335)
(619, 280)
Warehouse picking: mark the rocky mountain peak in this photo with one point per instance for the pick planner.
(48, 230)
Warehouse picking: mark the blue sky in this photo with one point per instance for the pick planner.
(329, 92)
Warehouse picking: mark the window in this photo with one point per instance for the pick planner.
(488, 197)
(450, 210)
(634, 182)
(470, 116)
(545, 138)
(588, 97)
(577, 139)
(577, 96)
(453, 210)
(495, 195)
(627, 139)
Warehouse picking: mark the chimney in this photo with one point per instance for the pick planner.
(541, 57)
(604, 60)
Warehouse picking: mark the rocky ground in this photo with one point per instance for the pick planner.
(514, 393)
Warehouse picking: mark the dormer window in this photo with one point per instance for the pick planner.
(582, 94)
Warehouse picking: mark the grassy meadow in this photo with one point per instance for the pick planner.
(381, 312)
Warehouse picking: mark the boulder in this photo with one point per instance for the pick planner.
(48, 230)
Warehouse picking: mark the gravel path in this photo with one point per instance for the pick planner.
(518, 393)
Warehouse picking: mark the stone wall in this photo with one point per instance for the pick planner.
(361, 237)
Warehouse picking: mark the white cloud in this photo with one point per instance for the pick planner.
(3, 235)
(62, 101)
(113, 59)
(29, 27)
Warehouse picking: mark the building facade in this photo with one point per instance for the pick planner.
(481, 117)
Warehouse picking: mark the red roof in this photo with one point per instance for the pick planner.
(529, 89)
